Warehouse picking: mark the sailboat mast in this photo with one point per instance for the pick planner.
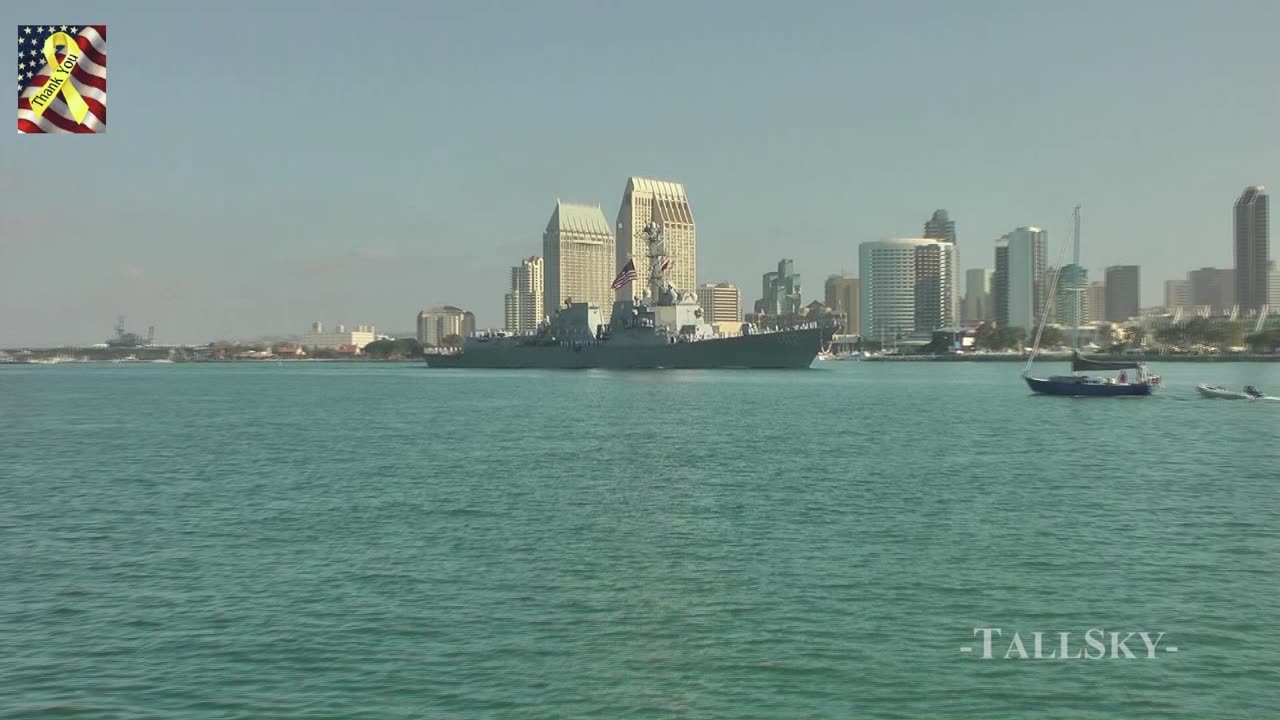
(1075, 259)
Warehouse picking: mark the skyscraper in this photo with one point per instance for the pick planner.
(940, 227)
(842, 295)
(1019, 278)
(1097, 300)
(1251, 247)
(721, 303)
(780, 290)
(977, 296)
(666, 204)
(524, 303)
(1071, 301)
(935, 287)
(578, 254)
(1273, 285)
(1214, 288)
(1122, 293)
(1177, 293)
(905, 287)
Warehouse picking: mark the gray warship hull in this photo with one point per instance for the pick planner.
(786, 349)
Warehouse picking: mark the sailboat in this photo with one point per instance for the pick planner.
(1077, 385)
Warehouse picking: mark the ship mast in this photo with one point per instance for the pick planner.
(658, 261)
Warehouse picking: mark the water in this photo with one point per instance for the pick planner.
(366, 540)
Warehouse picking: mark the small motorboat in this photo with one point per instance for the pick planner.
(1220, 393)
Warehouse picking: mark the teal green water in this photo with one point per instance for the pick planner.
(386, 541)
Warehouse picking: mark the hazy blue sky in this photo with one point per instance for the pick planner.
(272, 163)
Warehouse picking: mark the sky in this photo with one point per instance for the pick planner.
(271, 164)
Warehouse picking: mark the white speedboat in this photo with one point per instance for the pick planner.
(1220, 393)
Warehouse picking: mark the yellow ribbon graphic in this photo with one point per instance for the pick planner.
(60, 78)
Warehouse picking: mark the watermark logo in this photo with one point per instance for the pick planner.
(1092, 644)
(62, 79)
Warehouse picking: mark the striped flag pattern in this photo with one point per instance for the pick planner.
(89, 78)
(627, 275)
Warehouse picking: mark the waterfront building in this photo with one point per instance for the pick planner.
(780, 291)
(524, 308)
(906, 287)
(578, 256)
(940, 226)
(1019, 279)
(936, 301)
(842, 295)
(721, 303)
(339, 337)
(438, 323)
(1177, 293)
(1214, 288)
(1123, 293)
(977, 296)
(1273, 286)
(1251, 248)
(1071, 300)
(665, 203)
(1097, 300)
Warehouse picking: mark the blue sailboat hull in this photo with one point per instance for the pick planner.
(1073, 386)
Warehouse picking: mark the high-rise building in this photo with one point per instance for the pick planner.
(841, 295)
(1177, 293)
(1071, 300)
(665, 203)
(578, 257)
(940, 227)
(1214, 288)
(1123, 293)
(905, 287)
(1097, 300)
(977, 296)
(1019, 279)
(1273, 286)
(937, 305)
(721, 303)
(1251, 247)
(438, 323)
(780, 291)
(524, 304)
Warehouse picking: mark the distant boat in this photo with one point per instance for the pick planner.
(1073, 385)
(1220, 393)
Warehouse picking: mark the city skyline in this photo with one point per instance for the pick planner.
(259, 232)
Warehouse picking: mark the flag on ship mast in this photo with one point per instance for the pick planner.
(627, 274)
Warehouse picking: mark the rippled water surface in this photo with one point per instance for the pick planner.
(386, 541)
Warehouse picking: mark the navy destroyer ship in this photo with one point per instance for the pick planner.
(663, 329)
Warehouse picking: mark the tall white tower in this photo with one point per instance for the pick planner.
(665, 203)
(578, 252)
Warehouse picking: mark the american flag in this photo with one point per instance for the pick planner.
(627, 275)
(89, 79)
